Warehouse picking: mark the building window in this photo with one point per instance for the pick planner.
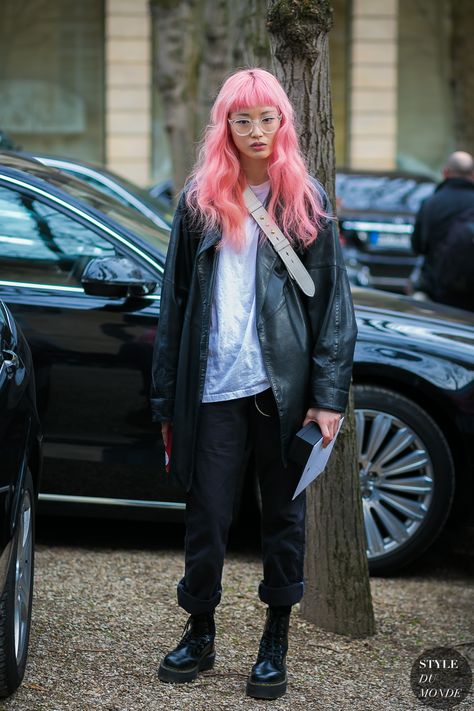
(52, 76)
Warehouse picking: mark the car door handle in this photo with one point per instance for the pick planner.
(11, 362)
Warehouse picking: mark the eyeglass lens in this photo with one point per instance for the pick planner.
(268, 124)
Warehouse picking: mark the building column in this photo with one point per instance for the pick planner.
(128, 88)
(373, 92)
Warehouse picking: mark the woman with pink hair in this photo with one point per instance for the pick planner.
(245, 355)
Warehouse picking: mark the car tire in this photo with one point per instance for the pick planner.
(16, 601)
(406, 496)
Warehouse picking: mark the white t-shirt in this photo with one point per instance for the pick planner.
(235, 366)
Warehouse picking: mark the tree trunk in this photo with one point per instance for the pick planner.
(299, 46)
(216, 56)
(176, 58)
(337, 595)
(248, 35)
(462, 17)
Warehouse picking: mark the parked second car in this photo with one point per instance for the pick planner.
(20, 448)
(376, 214)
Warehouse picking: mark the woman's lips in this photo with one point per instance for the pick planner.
(258, 146)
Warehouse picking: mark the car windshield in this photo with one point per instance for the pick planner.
(380, 192)
(126, 217)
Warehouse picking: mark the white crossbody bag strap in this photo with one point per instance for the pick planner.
(285, 251)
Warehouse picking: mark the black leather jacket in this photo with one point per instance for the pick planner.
(307, 342)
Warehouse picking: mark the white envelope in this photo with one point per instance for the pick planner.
(316, 462)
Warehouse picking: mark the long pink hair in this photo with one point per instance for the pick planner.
(216, 183)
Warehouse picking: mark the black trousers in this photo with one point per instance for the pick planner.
(223, 432)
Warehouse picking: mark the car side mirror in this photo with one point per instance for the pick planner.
(116, 277)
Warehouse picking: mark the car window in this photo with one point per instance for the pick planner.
(41, 245)
(378, 192)
(126, 217)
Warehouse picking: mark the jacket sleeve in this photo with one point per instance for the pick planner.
(332, 318)
(174, 295)
(418, 241)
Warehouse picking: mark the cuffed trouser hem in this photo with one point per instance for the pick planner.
(194, 605)
(289, 595)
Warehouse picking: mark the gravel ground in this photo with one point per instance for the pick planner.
(105, 611)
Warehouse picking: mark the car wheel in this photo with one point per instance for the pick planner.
(406, 476)
(15, 603)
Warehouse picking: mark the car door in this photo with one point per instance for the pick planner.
(92, 355)
(14, 412)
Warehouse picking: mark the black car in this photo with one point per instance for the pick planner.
(82, 275)
(376, 214)
(20, 447)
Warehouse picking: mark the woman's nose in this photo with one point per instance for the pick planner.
(256, 129)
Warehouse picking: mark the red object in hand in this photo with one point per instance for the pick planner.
(168, 449)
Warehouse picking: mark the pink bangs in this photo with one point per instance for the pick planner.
(217, 180)
(242, 93)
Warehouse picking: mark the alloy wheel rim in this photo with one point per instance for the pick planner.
(23, 573)
(396, 480)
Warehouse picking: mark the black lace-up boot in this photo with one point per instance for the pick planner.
(268, 678)
(194, 653)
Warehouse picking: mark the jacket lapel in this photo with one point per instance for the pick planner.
(206, 262)
(209, 238)
(266, 258)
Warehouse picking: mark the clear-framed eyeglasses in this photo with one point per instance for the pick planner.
(244, 126)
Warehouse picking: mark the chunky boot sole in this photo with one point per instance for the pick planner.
(266, 690)
(171, 674)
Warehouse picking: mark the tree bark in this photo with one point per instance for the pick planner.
(299, 45)
(248, 35)
(216, 55)
(337, 592)
(462, 17)
(176, 58)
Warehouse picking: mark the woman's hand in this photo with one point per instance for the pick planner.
(165, 428)
(328, 421)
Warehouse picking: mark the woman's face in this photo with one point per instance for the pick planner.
(258, 145)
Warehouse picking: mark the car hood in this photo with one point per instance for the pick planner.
(420, 322)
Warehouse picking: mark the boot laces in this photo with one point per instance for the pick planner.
(273, 642)
(196, 633)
